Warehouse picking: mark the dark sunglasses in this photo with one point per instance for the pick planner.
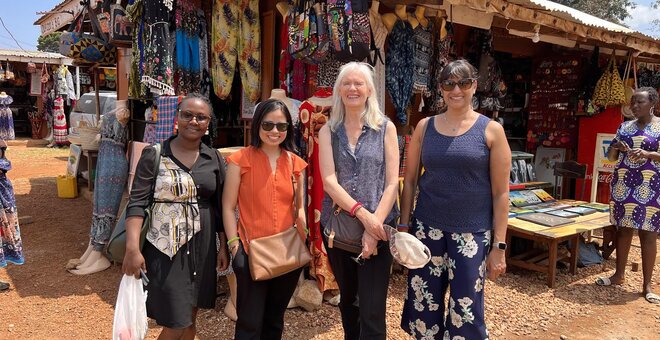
(281, 127)
(463, 84)
(358, 259)
(188, 116)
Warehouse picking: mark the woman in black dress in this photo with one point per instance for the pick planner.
(179, 255)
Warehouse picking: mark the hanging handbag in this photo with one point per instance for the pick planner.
(609, 88)
(343, 230)
(31, 68)
(44, 74)
(84, 47)
(117, 243)
(121, 28)
(281, 253)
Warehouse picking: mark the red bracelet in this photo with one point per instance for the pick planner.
(355, 208)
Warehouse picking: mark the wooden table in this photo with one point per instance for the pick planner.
(551, 236)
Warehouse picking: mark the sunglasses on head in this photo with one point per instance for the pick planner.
(281, 127)
(463, 84)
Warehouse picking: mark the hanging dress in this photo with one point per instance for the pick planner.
(399, 66)
(236, 37)
(187, 62)
(60, 130)
(380, 35)
(442, 55)
(6, 119)
(313, 117)
(422, 64)
(11, 246)
(111, 175)
(157, 72)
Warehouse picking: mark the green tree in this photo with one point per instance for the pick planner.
(49, 42)
(611, 10)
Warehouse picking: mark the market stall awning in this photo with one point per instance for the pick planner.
(36, 57)
(564, 21)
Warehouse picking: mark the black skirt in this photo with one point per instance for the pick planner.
(186, 281)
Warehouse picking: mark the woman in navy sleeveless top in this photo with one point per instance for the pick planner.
(461, 212)
(362, 178)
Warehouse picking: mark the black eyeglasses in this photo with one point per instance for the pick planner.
(281, 127)
(463, 84)
(188, 116)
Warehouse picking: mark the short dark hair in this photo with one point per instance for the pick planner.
(654, 97)
(195, 95)
(264, 108)
(458, 68)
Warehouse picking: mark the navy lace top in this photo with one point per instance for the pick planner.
(361, 172)
(454, 191)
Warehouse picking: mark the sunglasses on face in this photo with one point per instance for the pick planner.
(463, 84)
(188, 116)
(281, 127)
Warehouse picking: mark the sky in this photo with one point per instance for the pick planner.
(641, 17)
(19, 20)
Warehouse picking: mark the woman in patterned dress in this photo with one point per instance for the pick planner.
(635, 188)
(179, 255)
(11, 246)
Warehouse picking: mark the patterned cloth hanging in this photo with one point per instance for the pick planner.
(236, 38)
(399, 67)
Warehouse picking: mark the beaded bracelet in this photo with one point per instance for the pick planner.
(231, 240)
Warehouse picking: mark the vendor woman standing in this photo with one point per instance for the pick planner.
(635, 197)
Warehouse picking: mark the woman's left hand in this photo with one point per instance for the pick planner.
(638, 154)
(223, 254)
(495, 263)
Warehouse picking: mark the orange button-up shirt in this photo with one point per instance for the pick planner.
(265, 198)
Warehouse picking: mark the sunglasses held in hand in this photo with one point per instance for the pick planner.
(281, 127)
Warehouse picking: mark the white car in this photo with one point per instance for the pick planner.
(85, 109)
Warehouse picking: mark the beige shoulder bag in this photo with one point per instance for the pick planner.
(281, 253)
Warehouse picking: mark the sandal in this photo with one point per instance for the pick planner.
(603, 281)
(652, 298)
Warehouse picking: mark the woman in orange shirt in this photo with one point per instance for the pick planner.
(259, 179)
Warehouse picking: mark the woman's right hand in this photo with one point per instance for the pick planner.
(133, 262)
(620, 146)
(234, 250)
(371, 224)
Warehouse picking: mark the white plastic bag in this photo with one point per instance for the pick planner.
(130, 311)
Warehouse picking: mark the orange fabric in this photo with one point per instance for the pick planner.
(265, 199)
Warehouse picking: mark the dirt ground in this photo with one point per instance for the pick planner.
(46, 302)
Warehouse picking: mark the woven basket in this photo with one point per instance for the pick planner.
(87, 138)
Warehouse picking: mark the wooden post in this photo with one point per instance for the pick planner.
(96, 92)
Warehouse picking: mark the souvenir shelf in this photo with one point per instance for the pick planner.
(553, 101)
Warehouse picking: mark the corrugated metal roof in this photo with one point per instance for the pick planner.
(573, 14)
(34, 56)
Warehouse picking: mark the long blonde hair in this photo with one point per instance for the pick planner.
(373, 117)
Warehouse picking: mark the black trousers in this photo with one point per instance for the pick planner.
(363, 289)
(260, 305)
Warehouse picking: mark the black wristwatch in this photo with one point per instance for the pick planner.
(500, 245)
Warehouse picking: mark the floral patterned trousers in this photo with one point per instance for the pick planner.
(458, 263)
